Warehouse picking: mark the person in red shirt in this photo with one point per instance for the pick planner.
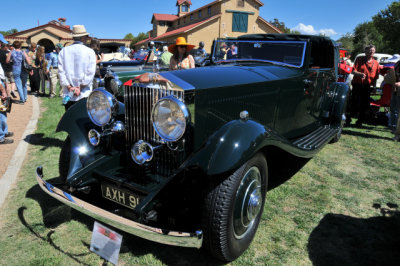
(366, 72)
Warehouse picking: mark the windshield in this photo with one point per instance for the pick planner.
(289, 53)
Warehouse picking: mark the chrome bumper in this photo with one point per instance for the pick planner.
(193, 240)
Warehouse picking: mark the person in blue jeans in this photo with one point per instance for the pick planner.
(4, 133)
(20, 75)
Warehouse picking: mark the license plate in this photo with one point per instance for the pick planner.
(120, 196)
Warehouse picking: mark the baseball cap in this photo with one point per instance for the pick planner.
(2, 39)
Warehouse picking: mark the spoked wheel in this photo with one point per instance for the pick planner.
(233, 210)
(63, 163)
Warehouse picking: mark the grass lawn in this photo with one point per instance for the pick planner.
(339, 208)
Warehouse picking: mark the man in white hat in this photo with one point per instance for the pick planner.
(76, 67)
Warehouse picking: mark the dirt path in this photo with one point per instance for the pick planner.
(17, 121)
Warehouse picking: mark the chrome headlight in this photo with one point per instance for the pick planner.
(170, 117)
(101, 106)
(114, 86)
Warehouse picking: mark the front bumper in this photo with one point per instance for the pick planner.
(193, 240)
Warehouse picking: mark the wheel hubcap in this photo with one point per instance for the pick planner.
(247, 203)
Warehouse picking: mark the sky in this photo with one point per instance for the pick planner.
(116, 18)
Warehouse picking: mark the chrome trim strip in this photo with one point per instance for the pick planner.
(182, 239)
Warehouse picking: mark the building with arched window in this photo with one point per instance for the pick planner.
(218, 19)
(56, 31)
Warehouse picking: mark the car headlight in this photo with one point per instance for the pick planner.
(101, 106)
(170, 117)
(114, 86)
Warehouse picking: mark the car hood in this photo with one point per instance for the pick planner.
(228, 75)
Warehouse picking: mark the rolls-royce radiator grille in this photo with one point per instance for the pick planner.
(139, 101)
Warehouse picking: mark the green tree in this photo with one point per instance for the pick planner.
(347, 42)
(279, 25)
(140, 37)
(129, 36)
(387, 21)
(366, 34)
(8, 32)
(282, 27)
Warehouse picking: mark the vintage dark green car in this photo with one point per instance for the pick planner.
(183, 159)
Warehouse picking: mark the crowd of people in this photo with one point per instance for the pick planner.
(73, 67)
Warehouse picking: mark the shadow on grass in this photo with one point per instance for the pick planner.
(282, 166)
(55, 213)
(345, 240)
(362, 134)
(48, 238)
(38, 140)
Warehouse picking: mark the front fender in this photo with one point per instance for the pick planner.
(339, 104)
(76, 123)
(231, 146)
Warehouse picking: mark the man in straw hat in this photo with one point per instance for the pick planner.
(76, 67)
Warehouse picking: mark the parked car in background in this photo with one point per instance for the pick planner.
(182, 159)
(117, 56)
(391, 60)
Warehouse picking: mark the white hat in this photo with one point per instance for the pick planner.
(79, 31)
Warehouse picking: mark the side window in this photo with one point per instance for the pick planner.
(239, 22)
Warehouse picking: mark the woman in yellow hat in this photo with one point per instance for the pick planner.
(181, 59)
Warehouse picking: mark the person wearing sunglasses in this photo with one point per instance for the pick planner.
(181, 59)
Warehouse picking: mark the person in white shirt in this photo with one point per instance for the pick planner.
(76, 67)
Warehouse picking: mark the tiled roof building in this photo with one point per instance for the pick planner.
(54, 32)
(218, 19)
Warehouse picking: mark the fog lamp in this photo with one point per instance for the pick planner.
(142, 152)
(94, 137)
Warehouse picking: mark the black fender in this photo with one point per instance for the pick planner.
(230, 147)
(76, 123)
(339, 103)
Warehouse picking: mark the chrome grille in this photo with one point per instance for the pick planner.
(139, 101)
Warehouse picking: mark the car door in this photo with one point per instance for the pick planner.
(301, 97)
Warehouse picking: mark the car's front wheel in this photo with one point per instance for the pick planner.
(233, 209)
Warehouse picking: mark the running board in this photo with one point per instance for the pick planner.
(316, 138)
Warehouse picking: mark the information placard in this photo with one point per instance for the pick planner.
(106, 243)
